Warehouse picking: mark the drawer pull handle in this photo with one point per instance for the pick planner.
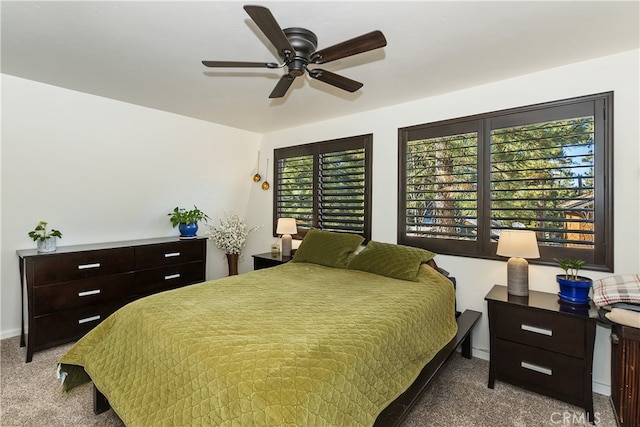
(536, 368)
(87, 293)
(86, 266)
(535, 330)
(88, 319)
(172, 276)
(171, 254)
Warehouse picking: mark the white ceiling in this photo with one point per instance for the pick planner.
(149, 52)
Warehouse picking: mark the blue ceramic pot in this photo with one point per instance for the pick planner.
(188, 230)
(574, 291)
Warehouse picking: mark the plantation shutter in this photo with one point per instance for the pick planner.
(543, 176)
(441, 192)
(325, 185)
(341, 191)
(545, 167)
(294, 189)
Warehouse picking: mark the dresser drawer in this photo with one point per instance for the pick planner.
(68, 325)
(542, 329)
(165, 278)
(540, 370)
(57, 268)
(79, 293)
(170, 253)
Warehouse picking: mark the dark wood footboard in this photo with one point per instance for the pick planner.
(398, 410)
(100, 402)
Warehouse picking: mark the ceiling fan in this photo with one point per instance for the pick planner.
(297, 48)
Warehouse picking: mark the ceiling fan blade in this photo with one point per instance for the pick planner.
(240, 64)
(271, 29)
(282, 87)
(335, 80)
(363, 43)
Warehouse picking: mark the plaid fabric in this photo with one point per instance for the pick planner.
(611, 290)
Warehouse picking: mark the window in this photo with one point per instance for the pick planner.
(325, 185)
(546, 168)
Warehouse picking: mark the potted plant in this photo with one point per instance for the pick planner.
(573, 288)
(231, 237)
(187, 220)
(46, 239)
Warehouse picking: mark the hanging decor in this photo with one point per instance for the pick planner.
(257, 177)
(265, 184)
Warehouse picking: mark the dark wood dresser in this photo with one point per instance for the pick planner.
(72, 290)
(541, 345)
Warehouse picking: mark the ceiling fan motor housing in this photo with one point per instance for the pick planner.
(304, 43)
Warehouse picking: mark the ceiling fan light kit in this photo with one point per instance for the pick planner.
(297, 48)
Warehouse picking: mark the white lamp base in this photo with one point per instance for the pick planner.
(286, 245)
(518, 277)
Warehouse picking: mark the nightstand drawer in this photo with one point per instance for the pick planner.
(542, 329)
(556, 374)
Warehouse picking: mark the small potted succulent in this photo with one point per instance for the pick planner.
(573, 288)
(187, 220)
(46, 239)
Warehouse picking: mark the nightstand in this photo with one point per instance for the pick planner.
(268, 259)
(541, 345)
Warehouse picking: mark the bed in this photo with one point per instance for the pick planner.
(322, 340)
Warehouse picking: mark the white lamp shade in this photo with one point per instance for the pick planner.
(518, 243)
(286, 226)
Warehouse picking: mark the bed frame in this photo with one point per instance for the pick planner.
(397, 411)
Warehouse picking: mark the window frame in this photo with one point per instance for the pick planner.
(599, 258)
(316, 149)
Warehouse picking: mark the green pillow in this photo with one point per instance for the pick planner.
(327, 248)
(387, 259)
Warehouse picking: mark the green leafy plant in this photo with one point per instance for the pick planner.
(184, 216)
(41, 233)
(570, 267)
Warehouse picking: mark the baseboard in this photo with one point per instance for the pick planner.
(9, 334)
(604, 389)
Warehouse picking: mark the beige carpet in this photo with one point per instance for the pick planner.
(31, 396)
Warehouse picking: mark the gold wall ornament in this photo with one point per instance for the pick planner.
(265, 184)
(257, 177)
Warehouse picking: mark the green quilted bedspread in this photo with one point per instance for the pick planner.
(294, 345)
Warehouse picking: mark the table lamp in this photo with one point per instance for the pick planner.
(518, 245)
(286, 227)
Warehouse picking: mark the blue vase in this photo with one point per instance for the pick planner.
(188, 230)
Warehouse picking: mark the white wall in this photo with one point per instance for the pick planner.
(617, 73)
(100, 170)
(113, 171)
